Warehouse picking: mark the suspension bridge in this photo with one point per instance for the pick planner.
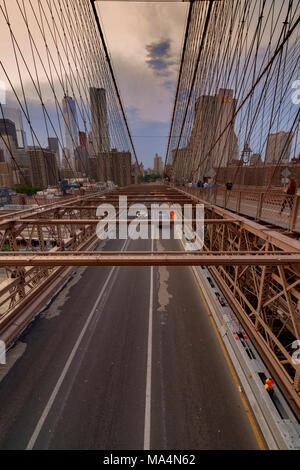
(151, 343)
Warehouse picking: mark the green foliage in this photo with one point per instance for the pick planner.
(28, 189)
(5, 248)
(152, 178)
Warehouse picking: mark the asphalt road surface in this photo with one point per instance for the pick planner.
(124, 358)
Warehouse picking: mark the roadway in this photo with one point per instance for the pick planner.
(124, 358)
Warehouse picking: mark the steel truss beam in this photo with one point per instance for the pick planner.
(119, 258)
(256, 267)
(93, 221)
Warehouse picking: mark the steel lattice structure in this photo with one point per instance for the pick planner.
(256, 267)
(255, 263)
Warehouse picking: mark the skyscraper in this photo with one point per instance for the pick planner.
(278, 148)
(7, 144)
(15, 115)
(42, 167)
(100, 135)
(54, 146)
(82, 165)
(90, 144)
(212, 116)
(6, 175)
(71, 127)
(66, 159)
(158, 164)
(21, 157)
(8, 127)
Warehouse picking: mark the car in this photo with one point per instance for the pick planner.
(221, 299)
(210, 281)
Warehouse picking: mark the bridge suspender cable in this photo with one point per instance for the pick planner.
(267, 67)
(194, 75)
(179, 78)
(114, 80)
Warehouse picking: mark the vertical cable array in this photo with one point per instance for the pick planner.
(235, 87)
(53, 57)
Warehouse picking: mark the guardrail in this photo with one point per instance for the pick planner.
(266, 299)
(273, 206)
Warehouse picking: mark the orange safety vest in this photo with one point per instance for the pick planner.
(269, 384)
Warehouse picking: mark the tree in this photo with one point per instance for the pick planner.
(152, 177)
(28, 189)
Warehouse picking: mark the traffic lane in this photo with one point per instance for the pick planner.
(49, 340)
(195, 402)
(101, 403)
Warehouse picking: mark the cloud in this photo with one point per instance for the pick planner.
(160, 49)
(133, 113)
(144, 41)
(159, 58)
(143, 95)
(170, 85)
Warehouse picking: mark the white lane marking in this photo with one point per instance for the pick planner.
(56, 389)
(149, 367)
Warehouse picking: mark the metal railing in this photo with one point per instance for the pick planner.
(273, 206)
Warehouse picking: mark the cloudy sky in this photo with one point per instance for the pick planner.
(144, 40)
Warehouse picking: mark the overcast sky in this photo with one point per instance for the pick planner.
(144, 41)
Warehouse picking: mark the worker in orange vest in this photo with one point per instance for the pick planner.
(269, 385)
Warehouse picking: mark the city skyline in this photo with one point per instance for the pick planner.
(149, 228)
(75, 158)
(147, 74)
(147, 77)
